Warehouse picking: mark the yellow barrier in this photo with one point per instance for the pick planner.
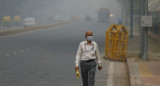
(116, 42)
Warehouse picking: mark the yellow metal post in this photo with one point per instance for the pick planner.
(116, 42)
(109, 37)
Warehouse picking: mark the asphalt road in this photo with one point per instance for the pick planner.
(46, 57)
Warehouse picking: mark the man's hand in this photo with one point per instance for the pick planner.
(99, 67)
(76, 68)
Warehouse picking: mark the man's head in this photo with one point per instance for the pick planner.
(89, 35)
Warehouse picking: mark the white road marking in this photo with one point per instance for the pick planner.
(8, 55)
(2, 71)
(21, 51)
(27, 48)
(15, 53)
(110, 75)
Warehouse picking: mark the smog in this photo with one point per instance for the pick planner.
(43, 10)
(49, 42)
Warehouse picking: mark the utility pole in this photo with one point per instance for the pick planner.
(131, 19)
(122, 11)
(142, 33)
(145, 55)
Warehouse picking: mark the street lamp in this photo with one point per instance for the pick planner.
(111, 15)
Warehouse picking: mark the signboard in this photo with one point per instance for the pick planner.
(146, 21)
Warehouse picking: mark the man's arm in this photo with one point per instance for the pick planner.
(78, 56)
(98, 58)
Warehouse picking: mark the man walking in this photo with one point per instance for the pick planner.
(88, 56)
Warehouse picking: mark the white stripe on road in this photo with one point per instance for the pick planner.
(2, 71)
(110, 75)
(8, 55)
(21, 51)
(15, 53)
(37, 45)
(27, 48)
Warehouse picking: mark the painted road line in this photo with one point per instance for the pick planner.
(15, 53)
(37, 45)
(8, 55)
(21, 51)
(27, 48)
(2, 71)
(110, 75)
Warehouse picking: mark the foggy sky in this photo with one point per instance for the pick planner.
(67, 7)
(41, 9)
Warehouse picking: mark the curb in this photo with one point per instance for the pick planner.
(27, 29)
(134, 75)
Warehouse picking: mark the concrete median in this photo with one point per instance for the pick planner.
(27, 29)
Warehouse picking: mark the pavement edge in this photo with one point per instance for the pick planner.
(134, 75)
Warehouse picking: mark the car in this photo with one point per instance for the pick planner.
(29, 21)
(88, 18)
(58, 18)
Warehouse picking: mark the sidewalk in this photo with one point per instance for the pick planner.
(141, 72)
(144, 73)
(114, 73)
(136, 71)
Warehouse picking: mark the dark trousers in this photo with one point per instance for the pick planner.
(88, 72)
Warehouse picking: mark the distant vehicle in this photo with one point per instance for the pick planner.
(29, 21)
(50, 17)
(16, 20)
(58, 18)
(103, 15)
(74, 17)
(6, 21)
(88, 18)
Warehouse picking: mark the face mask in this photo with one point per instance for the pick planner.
(89, 38)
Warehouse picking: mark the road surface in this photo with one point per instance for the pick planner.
(46, 57)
